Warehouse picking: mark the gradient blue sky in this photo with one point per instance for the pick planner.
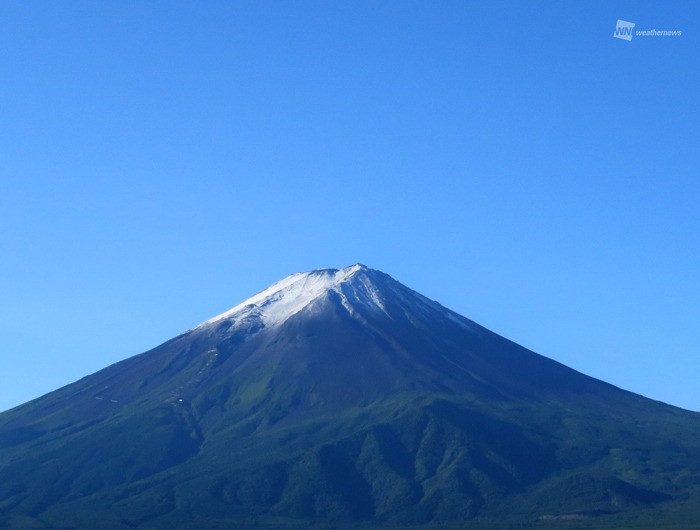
(162, 161)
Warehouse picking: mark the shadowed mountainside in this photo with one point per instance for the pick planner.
(341, 397)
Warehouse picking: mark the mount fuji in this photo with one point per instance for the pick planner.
(341, 398)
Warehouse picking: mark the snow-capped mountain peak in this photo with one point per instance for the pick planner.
(292, 294)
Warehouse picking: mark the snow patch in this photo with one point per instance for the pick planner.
(356, 286)
(289, 296)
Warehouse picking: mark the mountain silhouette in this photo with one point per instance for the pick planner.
(342, 398)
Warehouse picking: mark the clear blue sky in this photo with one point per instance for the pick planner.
(162, 161)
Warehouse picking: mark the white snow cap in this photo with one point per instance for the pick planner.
(289, 296)
(356, 286)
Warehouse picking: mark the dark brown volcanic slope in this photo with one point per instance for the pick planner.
(338, 397)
